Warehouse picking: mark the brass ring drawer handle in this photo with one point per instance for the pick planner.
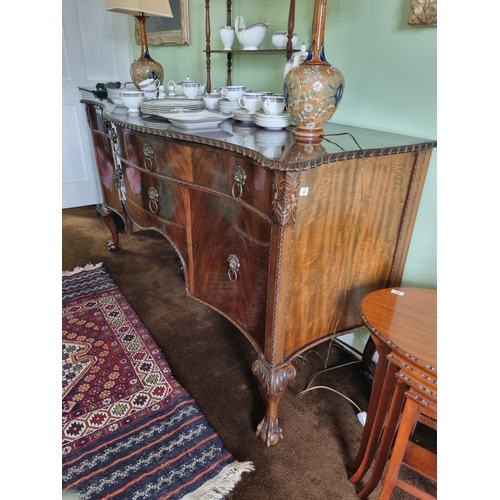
(239, 177)
(153, 200)
(234, 267)
(148, 157)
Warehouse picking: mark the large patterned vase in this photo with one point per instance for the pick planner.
(145, 67)
(313, 89)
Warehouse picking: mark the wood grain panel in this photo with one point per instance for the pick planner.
(345, 240)
(220, 228)
(106, 167)
(171, 204)
(215, 170)
(167, 158)
(146, 220)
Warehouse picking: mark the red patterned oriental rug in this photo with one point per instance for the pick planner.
(129, 431)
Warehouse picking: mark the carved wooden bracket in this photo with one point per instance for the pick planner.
(285, 200)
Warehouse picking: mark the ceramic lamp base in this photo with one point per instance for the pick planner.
(309, 136)
(145, 68)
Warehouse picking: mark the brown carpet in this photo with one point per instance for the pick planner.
(212, 360)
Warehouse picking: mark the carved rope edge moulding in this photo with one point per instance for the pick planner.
(266, 162)
(423, 13)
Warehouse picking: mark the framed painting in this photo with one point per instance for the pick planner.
(423, 13)
(167, 30)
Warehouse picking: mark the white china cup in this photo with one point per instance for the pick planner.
(233, 92)
(190, 89)
(273, 105)
(149, 84)
(150, 94)
(251, 101)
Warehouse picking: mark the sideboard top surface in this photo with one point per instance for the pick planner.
(273, 149)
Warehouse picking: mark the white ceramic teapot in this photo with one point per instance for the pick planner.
(179, 89)
(252, 36)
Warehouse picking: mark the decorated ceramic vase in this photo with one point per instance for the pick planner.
(145, 67)
(313, 90)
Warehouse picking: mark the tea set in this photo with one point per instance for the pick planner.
(263, 108)
(251, 37)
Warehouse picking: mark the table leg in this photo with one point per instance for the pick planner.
(388, 434)
(383, 384)
(107, 217)
(273, 384)
(408, 422)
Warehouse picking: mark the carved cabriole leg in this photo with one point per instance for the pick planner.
(107, 217)
(273, 375)
(273, 384)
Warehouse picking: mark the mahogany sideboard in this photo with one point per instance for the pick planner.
(282, 238)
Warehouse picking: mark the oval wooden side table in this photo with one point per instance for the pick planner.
(403, 327)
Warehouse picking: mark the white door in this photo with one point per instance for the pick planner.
(96, 48)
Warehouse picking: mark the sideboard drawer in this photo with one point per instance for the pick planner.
(231, 260)
(157, 196)
(158, 156)
(239, 178)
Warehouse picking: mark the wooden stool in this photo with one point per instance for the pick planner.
(407, 453)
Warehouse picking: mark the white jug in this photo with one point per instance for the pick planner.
(296, 59)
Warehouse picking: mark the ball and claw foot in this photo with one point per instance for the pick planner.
(269, 431)
(112, 246)
(273, 382)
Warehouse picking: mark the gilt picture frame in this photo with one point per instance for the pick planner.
(423, 13)
(167, 30)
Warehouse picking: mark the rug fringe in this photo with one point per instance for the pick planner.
(88, 267)
(222, 484)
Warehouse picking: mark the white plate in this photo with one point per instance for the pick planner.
(273, 124)
(275, 127)
(194, 126)
(151, 107)
(182, 98)
(261, 114)
(229, 105)
(244, 116)
(198, 118)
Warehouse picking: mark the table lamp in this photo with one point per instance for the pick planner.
(145, 67)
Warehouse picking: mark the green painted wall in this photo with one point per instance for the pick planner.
(389, 69)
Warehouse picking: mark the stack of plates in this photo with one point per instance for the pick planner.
(172, 103)
(242, 115)
(272, 122)
(195, 120)
(155, 122)
(227, 106)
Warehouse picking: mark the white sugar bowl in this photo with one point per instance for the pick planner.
(212, 101)
(280, 38)
(132, 99)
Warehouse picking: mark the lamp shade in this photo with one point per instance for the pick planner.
(160, 8)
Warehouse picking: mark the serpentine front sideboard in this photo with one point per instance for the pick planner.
(282, 238)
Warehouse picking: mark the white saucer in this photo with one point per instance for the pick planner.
(243, 116)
